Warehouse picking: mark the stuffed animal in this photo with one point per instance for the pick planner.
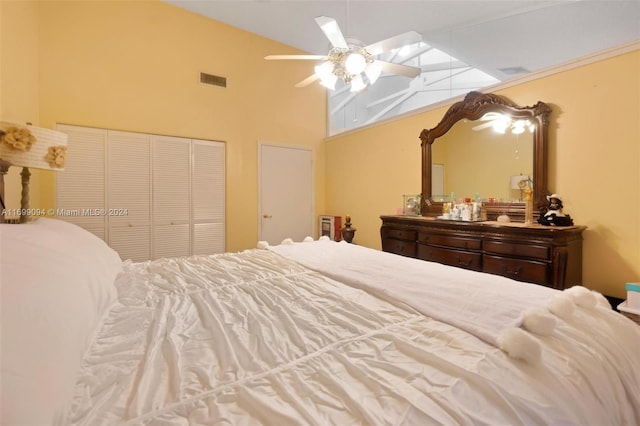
(554, 215)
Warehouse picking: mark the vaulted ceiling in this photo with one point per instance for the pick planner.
(490, 35)
(500, 39)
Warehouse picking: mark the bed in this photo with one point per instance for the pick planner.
(302, 333)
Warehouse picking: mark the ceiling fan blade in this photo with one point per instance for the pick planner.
(399, 69)
(330, 28)
(307, 81)
(277, 57)
(394, 42)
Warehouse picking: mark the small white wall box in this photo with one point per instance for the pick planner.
(633, 295)
(330, 226)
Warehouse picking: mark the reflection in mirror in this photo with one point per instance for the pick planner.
(474, 161)
(482, 161)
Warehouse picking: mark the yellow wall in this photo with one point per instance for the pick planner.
(19, 90)
(594, 163)
(135, 66)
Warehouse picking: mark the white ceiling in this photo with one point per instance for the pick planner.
(489, 35)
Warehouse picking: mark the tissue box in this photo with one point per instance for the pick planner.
(633, 295)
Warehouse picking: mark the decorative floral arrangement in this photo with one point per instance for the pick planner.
(56, 156)
(18, 138)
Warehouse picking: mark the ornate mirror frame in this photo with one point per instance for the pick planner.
(474, 106)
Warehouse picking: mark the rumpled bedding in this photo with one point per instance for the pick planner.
(481, 304)
(256, 338)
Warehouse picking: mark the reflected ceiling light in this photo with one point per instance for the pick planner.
(500, 123)
(519, 126)
(532, 126)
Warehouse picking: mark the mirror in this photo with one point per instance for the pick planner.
(464, 155)
(460, 165)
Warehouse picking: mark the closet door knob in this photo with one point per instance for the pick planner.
(267, 216)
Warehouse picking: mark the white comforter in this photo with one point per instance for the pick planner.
(481, 304)
(255, 338)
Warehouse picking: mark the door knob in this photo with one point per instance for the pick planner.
(266, 216)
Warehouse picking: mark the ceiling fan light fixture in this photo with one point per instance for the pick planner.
(329, 82)
(350, 61)
(355, 63)
(373, 71)
(325, 73)
(324, 69)
(357, 84)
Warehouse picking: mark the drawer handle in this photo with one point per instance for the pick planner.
(514, 272)
(463, 263)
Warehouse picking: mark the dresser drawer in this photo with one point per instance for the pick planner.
(460, 259)
(531, 251)
(398, 234)
(520, 270)
(447, 241)
(404, 248)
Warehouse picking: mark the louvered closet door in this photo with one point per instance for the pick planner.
(80, 187)
(129, 194)
(208, 192)
(171, 196)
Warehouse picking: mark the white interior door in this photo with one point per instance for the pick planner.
(128, 188)
(208, 197)
(286, 193)
(81, 185)
(171, 196)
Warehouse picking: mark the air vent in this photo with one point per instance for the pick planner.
(514, 70)
(214, 80)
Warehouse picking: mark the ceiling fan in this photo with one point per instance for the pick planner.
(354, 64)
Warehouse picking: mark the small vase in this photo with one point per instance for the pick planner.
(528, 208)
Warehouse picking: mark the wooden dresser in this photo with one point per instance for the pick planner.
(546, 255)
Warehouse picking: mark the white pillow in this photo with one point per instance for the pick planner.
(57, 283)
